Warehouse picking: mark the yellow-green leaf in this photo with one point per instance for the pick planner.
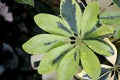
(68, 66)
(43, 42)
(50, 61)
(101, 32)
(51, 24)
(100, 47)
(110, 17)
(90, 62)
(89, 18)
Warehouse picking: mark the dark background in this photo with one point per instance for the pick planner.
(14, 62)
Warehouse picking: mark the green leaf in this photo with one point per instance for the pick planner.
(110, 17)
(89, 18)
(71, 13)
(51, 24)
(68, 66)
(101, 31)
(90, 62)
(42, 43)
(100, 47)
(48, 63)
(29, 2)
(117, 2)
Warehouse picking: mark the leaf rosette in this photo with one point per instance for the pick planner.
(73, 39)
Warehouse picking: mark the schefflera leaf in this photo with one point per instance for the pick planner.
(51, 24)
(42, 43)
(117, 2)
(68, 66)
(110, 17)
(89, 18)
(51, 60)
(71, 14)
(102, 31)
(90, 62)
(103, 47)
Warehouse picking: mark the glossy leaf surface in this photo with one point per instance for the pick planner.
(68, 65)
(110, 17)
(103, 47)
(50, 61)
(42, 43)
(101, 31)
(89, 18)
(51, 24)
(90, 62)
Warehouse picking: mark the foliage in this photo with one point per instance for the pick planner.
(74, 38)
(29, 2)
(117, 2)
(110, 68)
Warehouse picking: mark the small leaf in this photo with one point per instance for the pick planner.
(117, 2)
(42, 43)
(100, 47)
(90, 62)
(71, 13)
(101, 31)
(47, 65)
(89, 18)
(51, 24)
(29, 2)
(68, 66)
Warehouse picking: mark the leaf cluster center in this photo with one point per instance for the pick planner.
(76, 40)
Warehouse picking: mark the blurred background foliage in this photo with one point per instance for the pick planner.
(14, 62)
